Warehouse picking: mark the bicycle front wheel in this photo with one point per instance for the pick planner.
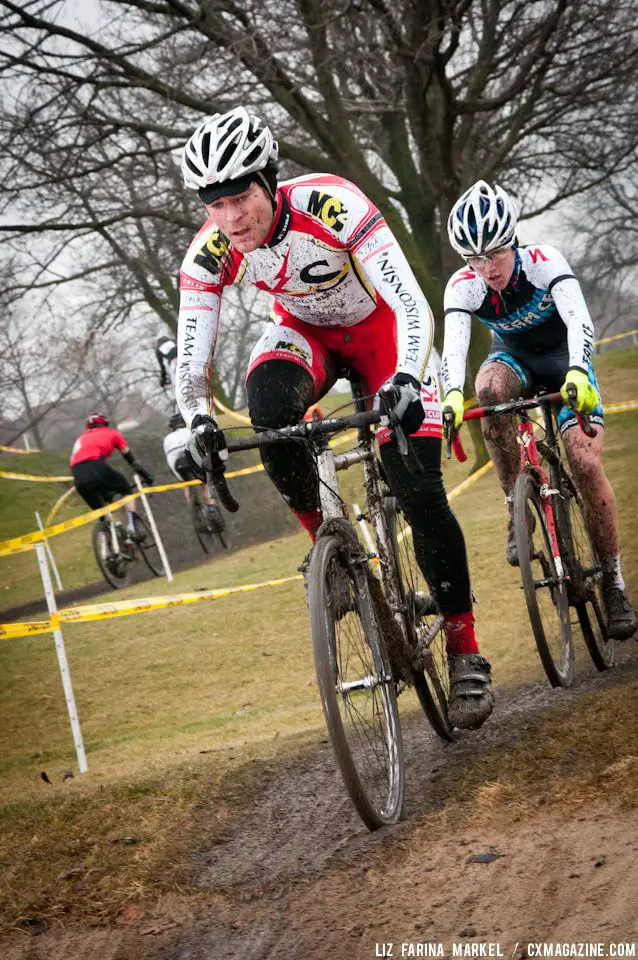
(147, 545)
(357, 690)
(587, 573)
(115, 567)
(424, 624)
(545, 591)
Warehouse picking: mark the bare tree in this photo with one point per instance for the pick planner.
(411, 100)
(29, 391)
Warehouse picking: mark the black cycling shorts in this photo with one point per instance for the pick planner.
(184, 468)
(98, 483)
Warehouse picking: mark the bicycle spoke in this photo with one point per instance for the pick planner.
(357, 689)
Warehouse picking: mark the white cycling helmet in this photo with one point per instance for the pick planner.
(483, 219)
(227, 152)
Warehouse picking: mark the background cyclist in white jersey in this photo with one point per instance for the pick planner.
(542, 337)
(344, 296)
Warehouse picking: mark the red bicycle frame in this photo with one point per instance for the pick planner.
(530, 457)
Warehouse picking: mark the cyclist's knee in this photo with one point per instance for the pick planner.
(279, 393)
(496, 383)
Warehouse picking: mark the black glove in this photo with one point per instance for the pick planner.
(206, 447)
(407, 409)
(147, 478)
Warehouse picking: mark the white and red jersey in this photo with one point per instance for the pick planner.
(541, 307)
(330, 260)
(97, 444)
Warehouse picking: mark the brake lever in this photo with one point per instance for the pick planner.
(218, 486)
(584, 422)
(452, 437)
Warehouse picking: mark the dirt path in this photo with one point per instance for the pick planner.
(297, 877)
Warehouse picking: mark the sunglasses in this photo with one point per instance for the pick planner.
(483, 259)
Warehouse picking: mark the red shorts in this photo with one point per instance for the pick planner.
(368, 347)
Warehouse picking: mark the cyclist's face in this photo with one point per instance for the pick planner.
(246, 219)
(496, 268)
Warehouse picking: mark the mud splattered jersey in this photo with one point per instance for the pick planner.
(541, 307)
(330, 260)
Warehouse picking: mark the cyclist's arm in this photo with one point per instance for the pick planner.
(384, 268)
(201, 287)
(568, 297)
(463, 294)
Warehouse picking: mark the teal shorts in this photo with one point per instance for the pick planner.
(543, 372)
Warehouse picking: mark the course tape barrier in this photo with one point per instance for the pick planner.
(122, 608)
(31, 476)
(58, 503)
(18, 449)
(231, 413)
(617, 336)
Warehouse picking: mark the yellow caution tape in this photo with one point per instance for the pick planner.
(620, 407)
(469, 480)
(31, 476)
(618, 336)
(10, 630)
(18, 449)
(58, 503)
(122, 608)
(231, 413)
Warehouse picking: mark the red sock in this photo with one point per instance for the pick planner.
(310, 521)
(459, 633)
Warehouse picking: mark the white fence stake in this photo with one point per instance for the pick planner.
(54, 565)
(62, 661)
(153, 526)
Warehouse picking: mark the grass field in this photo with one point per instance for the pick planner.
(174, 704)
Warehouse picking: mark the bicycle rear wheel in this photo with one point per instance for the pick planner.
(115, 567)
(587, 573)
(208, 524)
(545, 592)
(424, 624)
(357, 690)
(147, 545)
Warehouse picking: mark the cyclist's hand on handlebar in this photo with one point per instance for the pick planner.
(453, 401)
(587, 398)
(402, 398)
(206, 447)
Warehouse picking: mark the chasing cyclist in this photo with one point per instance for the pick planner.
(344, 296)
(542, 337)
(95, 480)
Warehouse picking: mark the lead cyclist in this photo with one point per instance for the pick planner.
(542, 335)
(344, 296)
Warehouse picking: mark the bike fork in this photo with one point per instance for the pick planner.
(546, 497)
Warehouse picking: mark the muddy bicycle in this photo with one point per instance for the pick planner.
(560, 569)
(208, 522)
(116, 552)
(375, 628)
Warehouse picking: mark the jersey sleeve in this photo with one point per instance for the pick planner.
(462, 296)
(384, 268)
(207, 268)
(119, 441)
(550, 269)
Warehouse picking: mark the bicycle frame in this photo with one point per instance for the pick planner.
(530, 456)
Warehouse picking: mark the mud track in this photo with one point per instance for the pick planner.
(296, 875)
